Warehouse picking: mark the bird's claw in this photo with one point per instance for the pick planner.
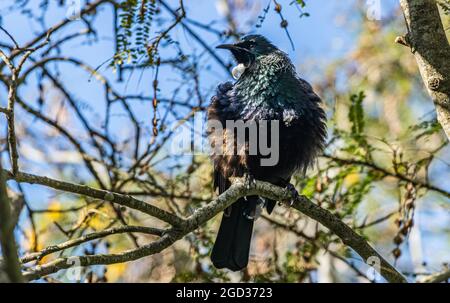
(256, 213)
(294, 193)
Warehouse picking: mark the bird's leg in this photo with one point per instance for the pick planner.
(249, 180)
(259, 207)
(250, 216)
(227, 211)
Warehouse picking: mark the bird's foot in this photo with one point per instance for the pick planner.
(249, 181)
(251, 215)
(227, 211)
(294, 193)
(254, 214)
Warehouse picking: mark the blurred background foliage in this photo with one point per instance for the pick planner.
(385, 171)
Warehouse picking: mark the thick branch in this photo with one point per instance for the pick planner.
(8, 243)
(206, 213)
(427, 39)
(437, 277)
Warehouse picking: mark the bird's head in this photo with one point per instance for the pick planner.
(249, 48)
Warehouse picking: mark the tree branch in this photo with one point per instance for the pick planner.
(89, 237)
(437, 277)
(237, 190)
(8, 243)
(388, 173)
(109, 196)
(12, 95)
(429, 44)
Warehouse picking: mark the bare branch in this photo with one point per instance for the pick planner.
(12, 95)
(16, 45)
(207, 212)
(89, 237)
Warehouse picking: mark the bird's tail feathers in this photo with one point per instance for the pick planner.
(232, 247)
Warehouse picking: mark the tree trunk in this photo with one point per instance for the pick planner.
(432, 51)
(10, 265)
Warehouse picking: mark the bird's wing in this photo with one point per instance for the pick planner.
(219, 110)
(299, 101)
(308, 90)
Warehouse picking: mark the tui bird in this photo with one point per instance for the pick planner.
(267, 89)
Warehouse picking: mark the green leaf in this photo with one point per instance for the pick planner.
(356, 113)
(301, 3)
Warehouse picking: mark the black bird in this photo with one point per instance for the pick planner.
(267, 88)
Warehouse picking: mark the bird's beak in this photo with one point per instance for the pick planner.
(227, 46)
(241, 54)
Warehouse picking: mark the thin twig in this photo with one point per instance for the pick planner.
(89, 237)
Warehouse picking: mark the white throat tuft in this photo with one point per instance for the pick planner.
(238, 70)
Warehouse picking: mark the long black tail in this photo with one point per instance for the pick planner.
(232, 246)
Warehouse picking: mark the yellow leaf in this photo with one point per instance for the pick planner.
(115, 271)
(351, 179)
(54, 215)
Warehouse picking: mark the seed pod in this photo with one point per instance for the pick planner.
(284, 24)
(409, 204)
(278, 7)
(409, 223)
(404, 230)
(318, 185)
(398, 239)
(397, 253)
